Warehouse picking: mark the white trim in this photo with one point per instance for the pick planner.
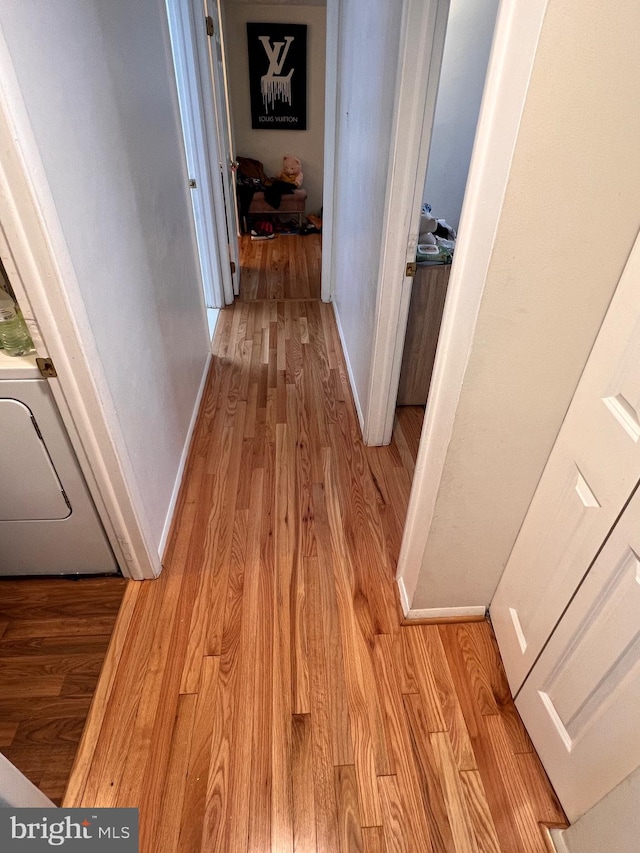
(183, 460)
(212, 322)
(331, 124)
(47, 289)
(213, 91)
(556, 837)
(422, 36)
(345, 352)
(437, 612)
(191, 96)
(17, 792)
(514, 48)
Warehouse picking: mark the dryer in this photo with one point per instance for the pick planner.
(48, 522)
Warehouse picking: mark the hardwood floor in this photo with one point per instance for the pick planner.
(287, 267)
(54, 635)
(261, 695)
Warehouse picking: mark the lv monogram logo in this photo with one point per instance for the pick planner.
(273, 84)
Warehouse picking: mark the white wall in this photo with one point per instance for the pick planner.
(97, 83)
(612, 824)
(270, 146)
(575, 169)
(367, 65)
(464, 66)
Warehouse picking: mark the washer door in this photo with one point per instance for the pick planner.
(30, 489)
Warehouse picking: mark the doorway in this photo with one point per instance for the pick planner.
(273, 242)
(467, 45)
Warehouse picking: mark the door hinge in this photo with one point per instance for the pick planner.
(209, 21)
(411, 270)
(46, 368)
(233, 267)
(192, 184)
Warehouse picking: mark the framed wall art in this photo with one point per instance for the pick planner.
(278, 76)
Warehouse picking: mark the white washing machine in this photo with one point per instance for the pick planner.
(48, 522)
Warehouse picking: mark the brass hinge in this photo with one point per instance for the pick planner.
(46, 368)
(411, 270)
(209, 21)
(233, 267)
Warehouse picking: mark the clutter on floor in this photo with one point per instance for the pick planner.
(436, 240)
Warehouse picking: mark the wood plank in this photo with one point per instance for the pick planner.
(195, 794)
(373, 839)
(302, 779)
(479, 812)
(406, 773)
(321, 702)
(429, 775)
(395, 830)
(168, 826)
(349, 833)
(459, 819)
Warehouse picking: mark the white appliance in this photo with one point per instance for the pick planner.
(48, 522)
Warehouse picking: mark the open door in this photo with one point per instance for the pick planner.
(224, 132)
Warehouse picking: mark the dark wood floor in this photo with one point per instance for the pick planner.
(54, 635)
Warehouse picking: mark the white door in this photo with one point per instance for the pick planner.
(182, 28)
(591, 472)
(48, 522)
(224, 130)
(581, 702)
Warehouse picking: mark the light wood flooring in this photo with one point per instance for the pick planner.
(287, 267)
(54, 635)
(262, 696)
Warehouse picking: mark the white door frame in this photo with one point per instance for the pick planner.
(37, 261)
(218, 116)
(186, 20)
(331, 126)
(422, 36)
(515, 43)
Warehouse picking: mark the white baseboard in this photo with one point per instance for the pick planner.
(183, 460)
(212, 321)
(556, 836)
(437, 612)
(345, 352)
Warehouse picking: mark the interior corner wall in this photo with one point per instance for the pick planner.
(574, 178)
(270, 146)
(470, 27)
(97, 82)
(612, 824)
(368, 46)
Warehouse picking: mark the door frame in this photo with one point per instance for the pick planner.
(41, 272)
(195, 97)
(518, 27)
(423, 31)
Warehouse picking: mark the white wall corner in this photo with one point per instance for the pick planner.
(166, 529)
(354, 387)
(512, 56)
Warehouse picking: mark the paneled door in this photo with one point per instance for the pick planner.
(590, 475)
(581, 702)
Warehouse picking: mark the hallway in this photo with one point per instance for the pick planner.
(262, 695)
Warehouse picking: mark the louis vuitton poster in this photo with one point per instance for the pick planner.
(278, 76)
